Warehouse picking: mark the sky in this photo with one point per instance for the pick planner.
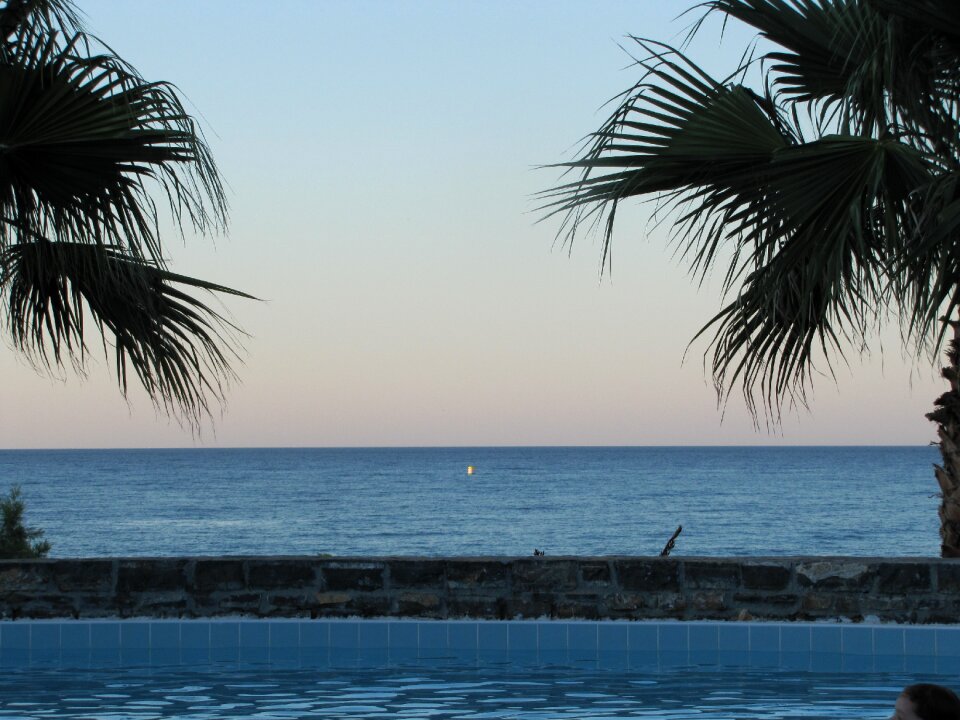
(382, 160)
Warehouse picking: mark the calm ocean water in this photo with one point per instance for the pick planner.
(743, 501)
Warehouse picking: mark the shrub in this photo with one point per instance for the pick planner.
(16, 540)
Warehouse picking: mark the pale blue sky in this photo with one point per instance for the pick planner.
(380, 159)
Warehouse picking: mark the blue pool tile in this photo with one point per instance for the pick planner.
(15, 636)
(888, 641)
(164, 656)
(105, 635)
(948, 642)
(73, 636)
(133, 657)
(919, 664)
(195, 635)
(376, 657)
(673, 658)
(643, 660)
(105, 657)
(642, 637)
(552, 636)
(284, 656)
(253, 655)
(493, 656)
(583, 638)
(857, 640)
(403, 635)
(765, 638)
(795, 660)
(613, 637)
(314, 634)
(614, 660)
(45, 658)
(164, 635)
(704, 637)
(522, 637)
(825, 639)
(286, 634)
(14, 657)
(314, 657)
(462, 636)
(948, 665)
(705, 658)
(492, 635)
(74, 659)
(134, 635)
(888, 663)
(673, 637)
(344, 635)
(825, 662)
(45, 636)
(254, 634)
(373, 635)
(854, 663)
(228, 655)
(224, 635)
(920, 641)
(734, 658)
(764, 658)
(195, 656)
(432, 636)
(734, 637)
(795, 638)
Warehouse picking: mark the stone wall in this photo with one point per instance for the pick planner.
(796, 588)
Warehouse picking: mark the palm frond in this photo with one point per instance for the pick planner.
(178, 346)
(84, 142)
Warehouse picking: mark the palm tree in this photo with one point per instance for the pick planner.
(829, 194)
(86, 144)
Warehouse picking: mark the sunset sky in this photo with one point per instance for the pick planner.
(381, 161)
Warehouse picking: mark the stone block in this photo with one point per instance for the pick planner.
(218, 575)
(544, 575)
(706, 574)
(764, 576)
(630, 602)
(534, 605)
(904, 577)
(836, 575)
(708, 601)
(671, 604)
(751, 600)
(649, 575)
(595, 573)
(817, 603)
(328, 599)
(416, 573)
(482, 606)
(152, 575)
(948, 576)
(370, 605)
(581, 606)
(23, 577)
(269, 574)
(419, 604)
(355, 577)
(82, 575)
(465, 573)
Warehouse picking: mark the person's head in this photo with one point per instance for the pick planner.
(927, 702)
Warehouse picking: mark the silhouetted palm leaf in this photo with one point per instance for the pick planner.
(86, 145)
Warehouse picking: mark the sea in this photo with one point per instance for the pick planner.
(754, 501)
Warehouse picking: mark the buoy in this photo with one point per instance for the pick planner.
(469, 469)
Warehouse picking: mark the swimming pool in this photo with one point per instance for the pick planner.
(229, 668)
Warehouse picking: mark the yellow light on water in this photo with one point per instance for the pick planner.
(469, 469)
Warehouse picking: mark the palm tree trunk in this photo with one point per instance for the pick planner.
(947, 417)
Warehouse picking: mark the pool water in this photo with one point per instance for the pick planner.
(467, 692)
